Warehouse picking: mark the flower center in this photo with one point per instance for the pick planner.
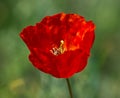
(60, 50)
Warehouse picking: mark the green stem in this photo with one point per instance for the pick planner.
(69, 88)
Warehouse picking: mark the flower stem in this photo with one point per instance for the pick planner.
(69, 88)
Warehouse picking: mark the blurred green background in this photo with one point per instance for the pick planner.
(19, 79)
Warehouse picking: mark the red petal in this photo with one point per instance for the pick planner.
(74, 30)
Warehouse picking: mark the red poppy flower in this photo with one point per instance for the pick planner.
(60, 44)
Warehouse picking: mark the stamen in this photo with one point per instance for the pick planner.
(60, 50)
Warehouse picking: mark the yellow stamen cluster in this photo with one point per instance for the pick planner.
(60, 50)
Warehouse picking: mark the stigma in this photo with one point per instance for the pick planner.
(60, 50)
